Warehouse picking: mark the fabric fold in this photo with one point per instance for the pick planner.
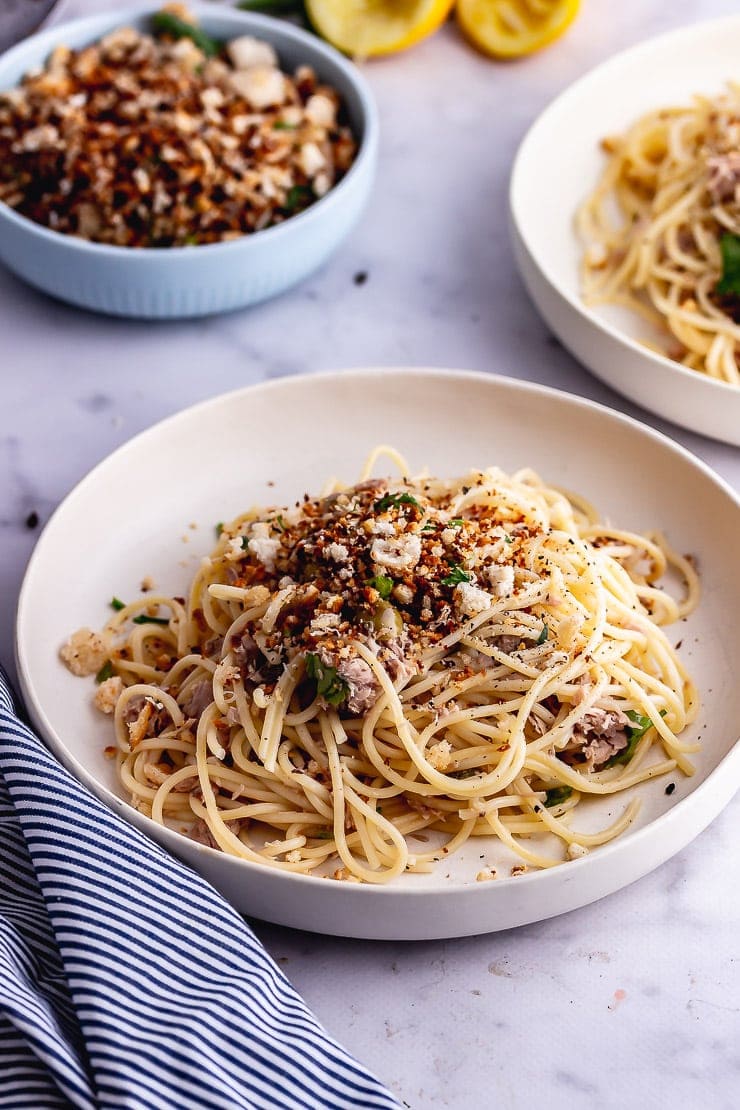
(126, 980)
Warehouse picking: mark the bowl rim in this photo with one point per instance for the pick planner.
(171, 839)
(518, 217)
(101, 23)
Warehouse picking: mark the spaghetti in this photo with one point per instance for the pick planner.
(358, 683)
(662, 231)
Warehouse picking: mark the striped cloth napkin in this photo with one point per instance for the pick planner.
(126, 981)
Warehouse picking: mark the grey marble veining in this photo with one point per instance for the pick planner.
(631, 1002)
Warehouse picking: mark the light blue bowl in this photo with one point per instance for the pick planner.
(195, 281)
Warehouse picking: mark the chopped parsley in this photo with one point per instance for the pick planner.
(456, 522)
(382, 584)
(279, 523)
(167, 23)
(729, 283)
(298, 196)
(144, 618)
(106, 671)
(245, 543)
(117, 604)
(543, 634)
(557, 795)
(508, 539)
(456, 575)
(272, 7)
(393, 500)
(329, 683)
(283, 125)
(219, 527)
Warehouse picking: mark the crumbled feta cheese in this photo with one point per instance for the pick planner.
(382, 528)
(439, 755)
(321, 110)
(263, 545)
(321, 184)
(212, 97)
(263, 86)
(471, 600)
(235, 548)
(85, 652)
(403, 593)
(246, 52)
(502, 580)
(108, 694)
(310, 159)
(338, 552)
(397, 553)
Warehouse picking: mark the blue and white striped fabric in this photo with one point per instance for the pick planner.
(126, 980)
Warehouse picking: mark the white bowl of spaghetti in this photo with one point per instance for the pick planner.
(626, 244)
(432, 703)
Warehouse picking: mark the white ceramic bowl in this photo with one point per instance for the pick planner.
(114, 529)
(558, 164)
(211, 278)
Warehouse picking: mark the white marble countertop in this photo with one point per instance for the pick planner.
(634, 1001)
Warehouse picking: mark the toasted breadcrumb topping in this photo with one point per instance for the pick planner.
(144, 140)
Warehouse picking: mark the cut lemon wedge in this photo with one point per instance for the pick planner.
(512, 28)
(365, 28)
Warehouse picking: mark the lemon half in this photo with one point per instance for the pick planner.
(512, 28)
(366, 28)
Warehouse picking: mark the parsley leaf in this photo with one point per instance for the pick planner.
(382, 584)
(297, 197)
(456, 575)
(245, 543)
(543, 634)
(557, 795)
(456, 522)
(167, 23)
(329, 684)
(729, 283)
(272, 7)
(106, 671)
(117, 604)
(283, 125)
(219, 527)
(144, 618)
(393, 500)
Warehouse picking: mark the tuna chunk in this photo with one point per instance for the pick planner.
(363, 689)
(724, 176)
(598, 736)
(198, 698)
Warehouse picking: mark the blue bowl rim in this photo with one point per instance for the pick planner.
(104, 22)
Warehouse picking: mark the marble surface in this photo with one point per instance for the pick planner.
(634, 1001)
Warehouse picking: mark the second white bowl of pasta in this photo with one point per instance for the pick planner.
(629, 244)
